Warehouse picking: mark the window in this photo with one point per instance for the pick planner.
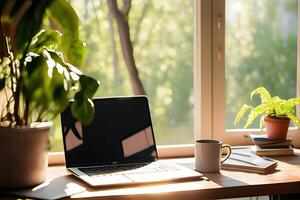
(254, 44)
(162, 37)
(224, 38)
(260, 50)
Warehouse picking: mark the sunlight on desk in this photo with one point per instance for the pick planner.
(165, 188)
(226, 184)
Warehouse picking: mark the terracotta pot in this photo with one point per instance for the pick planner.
(277, 127)
(23, 156)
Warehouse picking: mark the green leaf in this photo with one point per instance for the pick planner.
(241, 113)
(261, 108)
(294, 119)
(253, 114)
(88, 86)
(292, 102)
(264, 94)
(31, 22)
(74, 50)
(5, 61)
(37, 87)
(50, 39)
(60, 91)
(65, 18)
(83, 109)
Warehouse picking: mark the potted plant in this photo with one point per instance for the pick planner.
(38, 78)
(274, 111)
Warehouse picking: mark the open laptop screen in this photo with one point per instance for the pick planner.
(121, 132)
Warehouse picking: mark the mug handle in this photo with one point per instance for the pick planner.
(228, 153)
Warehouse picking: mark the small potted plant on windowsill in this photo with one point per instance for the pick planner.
(275, 112)
(37, 80)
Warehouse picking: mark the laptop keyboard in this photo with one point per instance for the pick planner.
(128, 169)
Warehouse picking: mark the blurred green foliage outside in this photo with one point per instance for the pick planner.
(162, 37)
(260, 46)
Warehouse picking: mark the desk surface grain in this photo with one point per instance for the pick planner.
(226, 184)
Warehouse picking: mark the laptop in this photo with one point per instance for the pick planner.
(118, 147)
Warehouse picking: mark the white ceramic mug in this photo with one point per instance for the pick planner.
(208, 156)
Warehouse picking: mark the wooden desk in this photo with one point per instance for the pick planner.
(226, 184)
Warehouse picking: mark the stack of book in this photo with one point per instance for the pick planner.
(270, 147)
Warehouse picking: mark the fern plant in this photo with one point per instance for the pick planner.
(270, 106)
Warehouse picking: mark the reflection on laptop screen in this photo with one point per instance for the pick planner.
(121, 132)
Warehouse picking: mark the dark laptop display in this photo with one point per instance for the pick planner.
(121, 132)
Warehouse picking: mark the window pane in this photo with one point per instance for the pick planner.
(162, 37)
(261, 50)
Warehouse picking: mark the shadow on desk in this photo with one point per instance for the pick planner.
(292, 159)
(57, 188)
(223, 180)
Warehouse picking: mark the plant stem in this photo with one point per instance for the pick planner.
(19, 85)
(26, 111)
(16, 95)
(14, 75)
(6, 107)
(3, 50)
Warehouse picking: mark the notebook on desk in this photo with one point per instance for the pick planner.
(243, 160)
(118, 147)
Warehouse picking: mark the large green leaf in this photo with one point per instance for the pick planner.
(88, 86)
(66, 19)
(59, 75)
(60, 93)
(36, 87)
(50, 39)
(83, 109)
(31, 22)
(74, 50)
(62, 87)
(64, 16)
